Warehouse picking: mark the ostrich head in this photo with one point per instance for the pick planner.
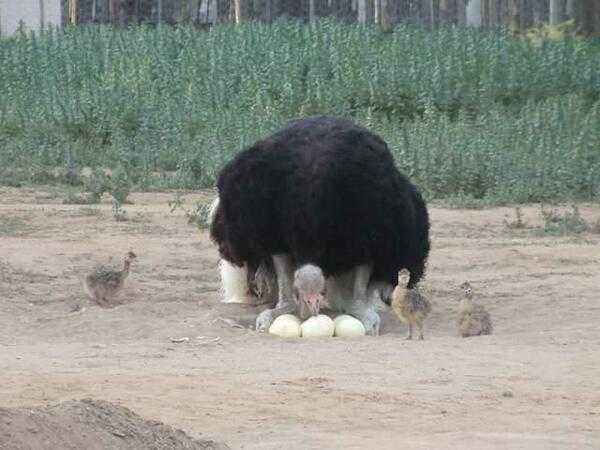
(309, 290)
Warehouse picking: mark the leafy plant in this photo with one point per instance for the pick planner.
(567, 223)
(96, 185)
(197, 215)
(518, 223)
(80, 199)
(119, 185)
(119, 214)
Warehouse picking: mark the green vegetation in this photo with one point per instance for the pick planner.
(197, 215)
(11, 226)
(568, 222)
(554, 222)
(518, 223)
(469, 114)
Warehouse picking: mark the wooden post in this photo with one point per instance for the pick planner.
(425, 12)
(239, 10)
(461, 12)
(485, 13)
(555, 12)
(365, 11)
(42, 14)
(590, 17)
(474, 13)
(443, 11)
(312, 11)
(570, 9)
(434, 9)
(514, 15)
(73, 12)
(386, 19)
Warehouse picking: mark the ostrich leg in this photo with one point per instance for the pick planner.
(285, 303)
(361, 306)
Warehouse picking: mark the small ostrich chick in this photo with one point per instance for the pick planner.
(309, 290)
(410, 305)
(473, 319)
(104, 283)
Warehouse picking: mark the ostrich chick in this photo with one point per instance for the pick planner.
(410, 305)
(104, 283)
(309, 290)
(473, 319)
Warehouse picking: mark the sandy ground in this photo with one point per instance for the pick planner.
(534, 384)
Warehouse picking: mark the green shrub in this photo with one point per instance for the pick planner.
(468, 113)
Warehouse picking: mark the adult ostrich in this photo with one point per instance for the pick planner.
(321, 192)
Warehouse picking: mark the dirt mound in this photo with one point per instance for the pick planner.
(89, 424)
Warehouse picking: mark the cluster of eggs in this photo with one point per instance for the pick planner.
(289, 326)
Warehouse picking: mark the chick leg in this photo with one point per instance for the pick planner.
(420, 328)
(410, 331)
(285, 304)
(361, 306)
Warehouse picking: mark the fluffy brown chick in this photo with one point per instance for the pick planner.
(104, 283)
(473, 319)
(410, 305)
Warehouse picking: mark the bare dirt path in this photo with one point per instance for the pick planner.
(534, 384)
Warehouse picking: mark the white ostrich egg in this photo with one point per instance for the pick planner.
(348, 326)
(286, 325)
(317, 326)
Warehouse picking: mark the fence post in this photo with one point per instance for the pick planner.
(555, 12)
(365, 11)
(72, 12)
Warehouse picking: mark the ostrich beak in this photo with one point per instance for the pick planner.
(313, 303)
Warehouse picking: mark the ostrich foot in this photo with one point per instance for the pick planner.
(286, 304)
(370, 320)
(361, 306)
(266, 318)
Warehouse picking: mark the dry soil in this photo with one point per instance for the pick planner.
(535, 383)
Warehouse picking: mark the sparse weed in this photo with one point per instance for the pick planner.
(81, 199)
(13, 226)
(88, 211)
(119, 186)
(595, 227)
(465, 201)
(96, 185)
(197, 215)
(518, 223)
(562, 224)
(119, 214)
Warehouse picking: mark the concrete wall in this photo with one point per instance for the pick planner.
(31, 12)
